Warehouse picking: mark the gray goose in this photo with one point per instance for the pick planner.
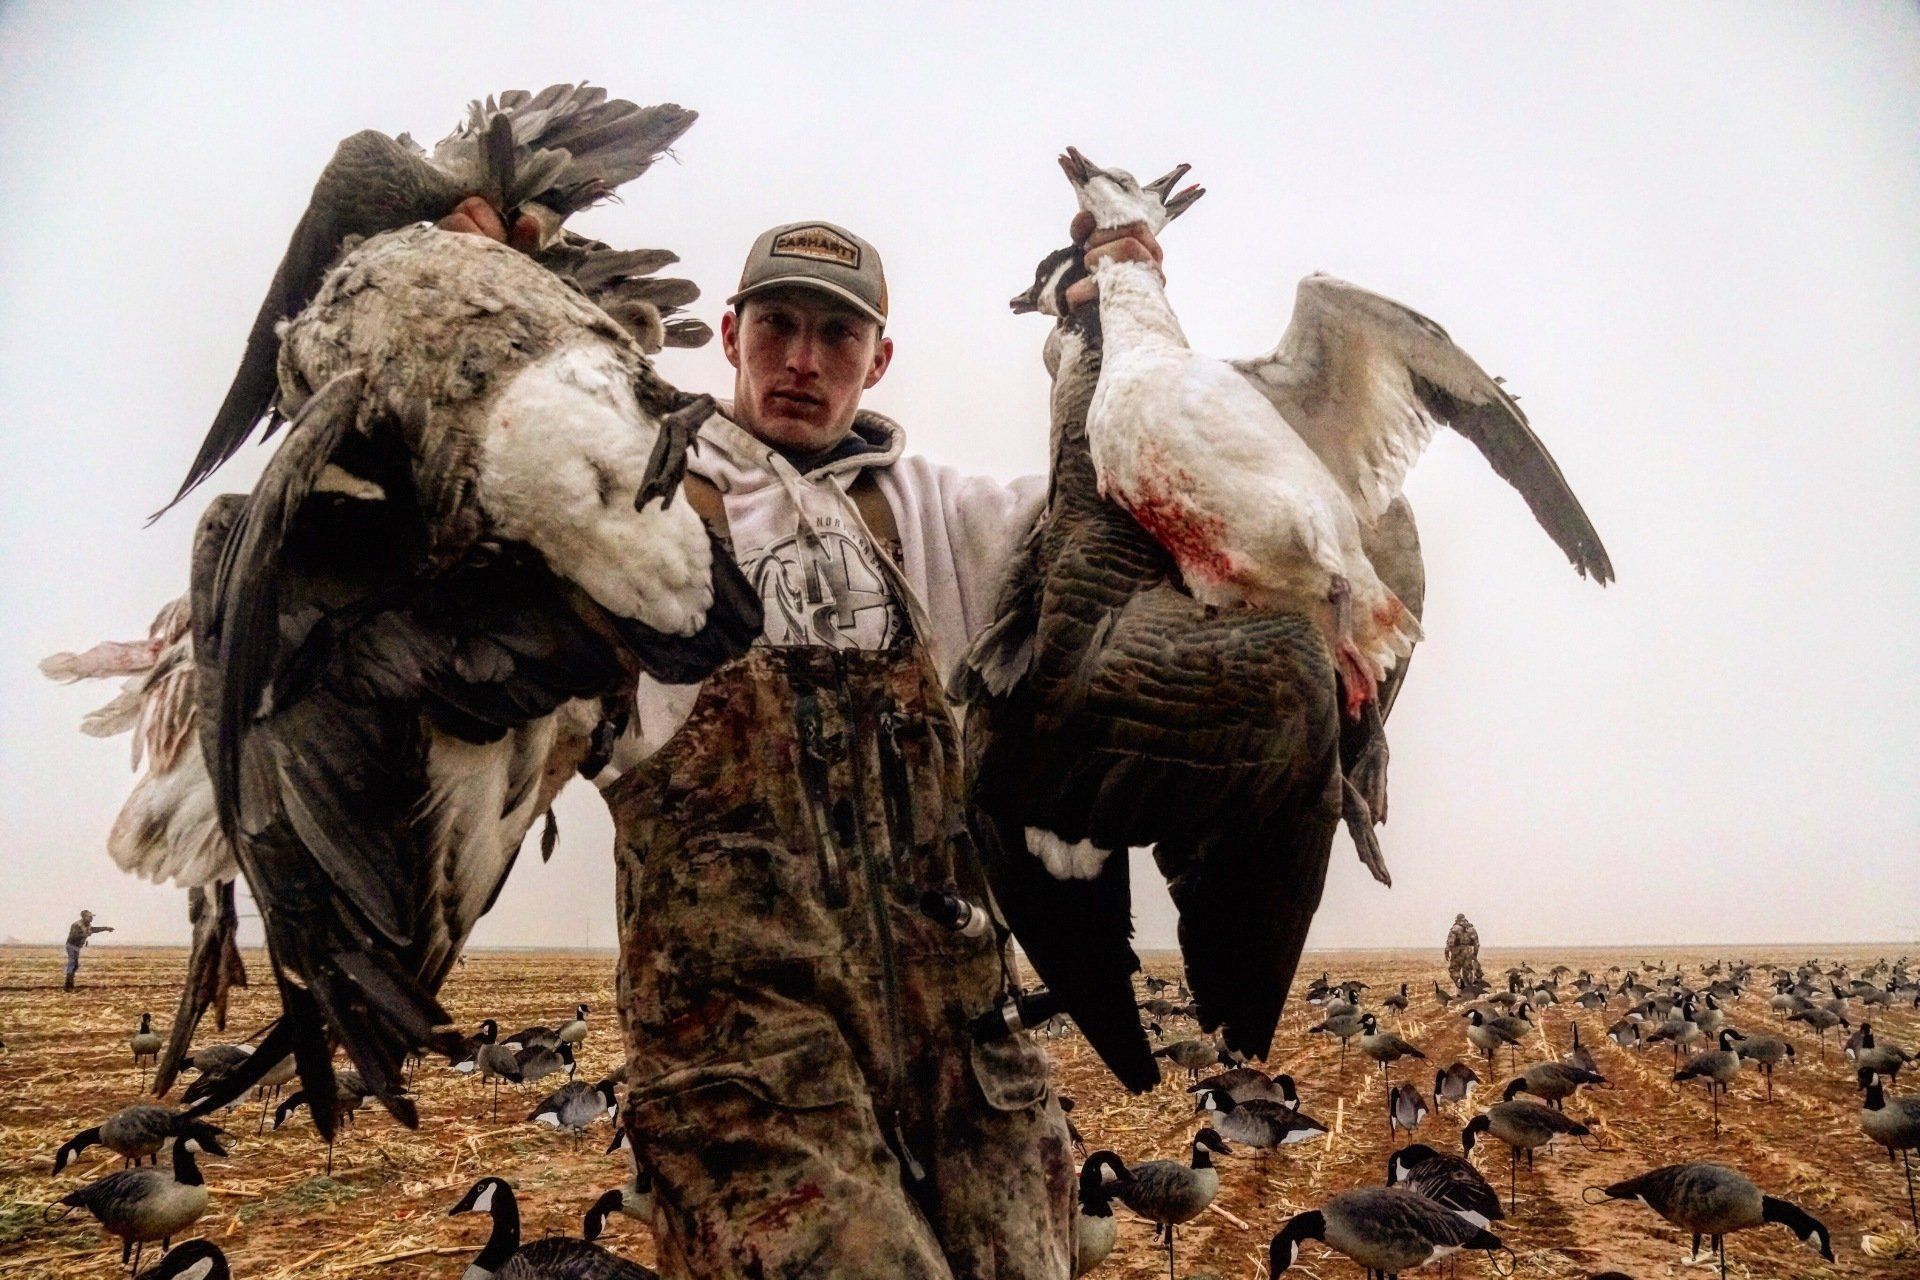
(142, 1206)
(1166, 1192)
(574, 1030)
(1718, 1067)
(1387, 1230)
(1894, 1123)
(1522, 1126)
(1446, 1180)
(1712, 1200)
(549, 1258)
(1107, 710)
(135, 1133)
(390, 599)
(1822, 1021)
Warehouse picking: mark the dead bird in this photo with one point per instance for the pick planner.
(432, 594)
(1712, 1200)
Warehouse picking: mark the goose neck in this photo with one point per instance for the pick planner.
(1133, 307)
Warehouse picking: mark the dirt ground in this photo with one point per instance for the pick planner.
(382, 1214)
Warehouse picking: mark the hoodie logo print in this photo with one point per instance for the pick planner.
(839, 599)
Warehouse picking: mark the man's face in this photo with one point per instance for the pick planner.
(801, 360)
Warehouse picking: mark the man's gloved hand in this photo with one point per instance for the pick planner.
(476, 216)
(1132, 243)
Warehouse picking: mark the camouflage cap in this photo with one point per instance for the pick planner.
(816, 255)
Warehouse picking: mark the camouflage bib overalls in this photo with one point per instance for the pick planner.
(804, 1089)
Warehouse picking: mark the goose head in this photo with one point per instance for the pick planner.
(194, 1260)
(1051, 280)
(1116, 198)
(488, 1195)
(1285, 1247)
(1400, 1163)
(596, 1220)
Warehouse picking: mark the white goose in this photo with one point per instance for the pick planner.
(1262, 476)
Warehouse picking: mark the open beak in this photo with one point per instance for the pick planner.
(1078, 168)
(1021, 304)
(1162, 186)
(1180, 203)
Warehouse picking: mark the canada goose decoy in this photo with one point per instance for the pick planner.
(1097, 1231)
(1766, 1052)
(1387, 1230)
(1166, 1192)
(548, 1258)
(1108, 709)
(575, 1105)
(1343, 1028)
(1192, 1056)
(1718, 1067)
(631, 1199)
(1822, 1021)
(535, 1037)
(1712, 1200)
(145, 1043)
(194, 1260)
(349, 1095)
(1578, 1055)
(1554, 1082)
(1453, 1083)
(1398, 1001)
(1522, 1126)
(1246, 1084)
(1447, 1180)
(1384, 1047)
(1484, 1035)
(1258, 1122)
(495, 1062)
(1626, 1033)
(574, 1030)
(401, 516)
(539, 1061)
(1405, 1109)
(1882, 1057)
(135, 1133)
(1314, 467)
(1894, 1123)
(1680, 1030)
(144, 1205)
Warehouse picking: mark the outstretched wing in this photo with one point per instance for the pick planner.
(1365, 381)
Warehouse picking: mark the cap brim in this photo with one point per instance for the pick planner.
(818, 285)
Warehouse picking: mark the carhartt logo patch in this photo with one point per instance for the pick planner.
(823, 244)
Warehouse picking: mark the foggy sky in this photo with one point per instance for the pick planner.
(1688, 237)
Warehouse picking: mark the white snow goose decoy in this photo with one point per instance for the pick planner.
(467, 540)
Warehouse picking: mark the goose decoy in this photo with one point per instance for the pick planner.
(495, 1062)
(539, 1061)
(1523, 1126)
(349, 1095)
(1323, 431)
(1626, 1033)
(535, 1037)
(144, 1205)
(1387, 1230)
(1718, 1067)
(435, 628)
(1166, 1192)
(1447, 1180)
(1343, 1028)
(1766, 1052)
(1384, 1047)
(1484, 1035)
(1578, 1055)
(1882, 1057)
(1258, 1122)
(574, 1030)
(1097, 1231)
(1108, 709)
(1712, 1200)
(575, 1105)
(136, 1133)
(194, 1260)
(1192, 1056)
(1247, 1084)
(1453, 1084)
(1398, 1001)
(1405, 1109)
(548, 1258)
(631, 1199)
(1554, 1082)
(145, 1043)
(1822, 1021)
(1894, 1123)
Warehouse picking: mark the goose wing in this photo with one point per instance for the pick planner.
(1365, 381)
(382, 717)
(565, 1258)
(562, 149)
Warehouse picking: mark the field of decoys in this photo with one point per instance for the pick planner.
(1503, 1136)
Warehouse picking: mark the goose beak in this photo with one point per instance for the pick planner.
(1022, 303)
(1181, 203)
(1162, 186)
(1078, 168)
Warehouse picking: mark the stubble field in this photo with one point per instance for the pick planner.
(383, 1212)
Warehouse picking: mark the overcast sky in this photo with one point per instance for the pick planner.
(1688, 237)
